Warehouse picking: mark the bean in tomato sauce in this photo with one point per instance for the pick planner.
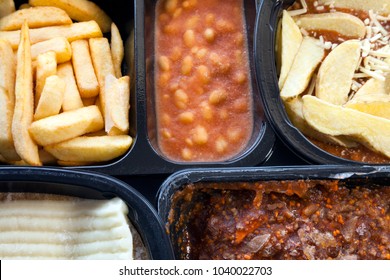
(202, 90)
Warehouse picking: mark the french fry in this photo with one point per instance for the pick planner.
(51, 99)
(25, 146)
(85, 74)
(46, 157)
(46, 66)
(72, 32)
(7, 100)
(66, 125)
(6, 7)
(59, 45)
(102, 63)
(36, 17)
(79, 10)
(91, 149)
(117, 104)
(72, 99)
(7, 148)
(117, 50)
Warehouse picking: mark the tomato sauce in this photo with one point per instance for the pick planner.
(202, 89)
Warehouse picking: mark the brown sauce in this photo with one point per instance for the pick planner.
(281, 220)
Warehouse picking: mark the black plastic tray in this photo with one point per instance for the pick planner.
(92, 186)
(353, 175)
(266, 27)
(144, 156)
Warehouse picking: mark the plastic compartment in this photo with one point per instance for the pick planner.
(351, 175)
(265, 33)
(91, 185)
(143, 156)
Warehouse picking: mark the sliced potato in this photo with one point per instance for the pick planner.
(7, 69)
(80, 10)
(294, 110)
(46, 66)
(342, 23)
(25, 146)
(377, 104)
(36, 17)
(382, 6)
(66, 125)
(85, 74)
(59, 45)
(102, 63)
(369, 130)
(117, 104)
(51, 99)
(72, 99)
(91, 149)
(89, 101)
(117, 50)
(335, 75)
(6, 7)
(309, 55)
(73, 32)
(291, 39)
(372, 86)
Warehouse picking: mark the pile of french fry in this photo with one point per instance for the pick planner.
(63, 98)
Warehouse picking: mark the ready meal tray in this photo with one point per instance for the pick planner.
(149, 238)
(137, 25)
(306, 212)
(340, 82)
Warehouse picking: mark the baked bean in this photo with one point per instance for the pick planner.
(200, 135)
(221, 64)
(177, 12)
(164, 63)
(210, 19)
(189, 4)
(234, 134)
(186, 117)
(181, 99)
(192, 22)
(166, 133)
(171, 29)
(186, 154)
(176, 53)
(204, 74)
(221, 144)
(223, 114)
(239, 77)
(240, 106)
(224, 26)
(239, 39)
(201, 53)
(186, 65)
(189, 38)
(206, 110)
(209, 35)
(217, 96)
(170, 6)
(166, 119)
(164, 79)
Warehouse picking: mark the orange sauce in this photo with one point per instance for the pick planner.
(203, 94)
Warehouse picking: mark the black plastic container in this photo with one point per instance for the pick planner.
(351, 175)
(91, 185)
(144, 156)
(265, 37)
